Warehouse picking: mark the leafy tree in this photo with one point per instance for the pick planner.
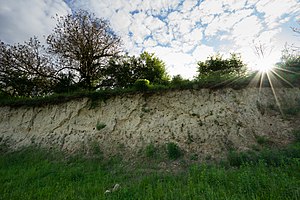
(127, 69)
(84, 45)
(178, 80)
(155, 70)
(289, 66)
(25, 69)
(216, 68)
(288, 69)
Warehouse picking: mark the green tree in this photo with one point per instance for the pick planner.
(179, 81)
(123, 72)
(216, 68)
(84, 44)
(288, 69)
(155, 69)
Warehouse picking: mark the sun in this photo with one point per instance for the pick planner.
(263, 65)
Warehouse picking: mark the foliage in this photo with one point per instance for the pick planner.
(178, 80)
(156, 71)
(100, 125)
(142, 84)
(123, 72)
(289, 67)
(83, 45)
(173, 151)
(150, 151)
(215, 68)
(270, 156)
(297, 135)
(25, 69)
(263, 140)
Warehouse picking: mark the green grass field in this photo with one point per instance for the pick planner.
(38, 174)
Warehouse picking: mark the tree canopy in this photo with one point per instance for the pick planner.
(25, 69)
(216, 64)
(84, 44)
(124, 71)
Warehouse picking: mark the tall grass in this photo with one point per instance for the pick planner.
(38, 174)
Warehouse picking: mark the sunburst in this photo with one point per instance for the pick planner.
(266, 70)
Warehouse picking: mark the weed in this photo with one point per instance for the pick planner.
(95, 149)
(100, 125)
(293, 111)
(296, 134)
(263, 140)
(150, 151)
(173, 151)
(189, 138)
(194, 157)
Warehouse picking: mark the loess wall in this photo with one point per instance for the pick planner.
(205, 122)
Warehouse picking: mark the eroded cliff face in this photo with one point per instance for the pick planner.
(205, 122)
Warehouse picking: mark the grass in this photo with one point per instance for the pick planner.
(173, 151)
(38, 174)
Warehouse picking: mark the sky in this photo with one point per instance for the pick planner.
(180, 32)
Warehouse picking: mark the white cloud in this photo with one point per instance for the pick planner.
(24, 19)
(202, 52)
(276, 9)
(175, 30)
(122, 21)
(188, 5)
(246, 30)
(211, 7)
(234, 4)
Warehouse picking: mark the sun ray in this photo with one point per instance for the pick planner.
(286, 70)
(283, 79)
(274, 93)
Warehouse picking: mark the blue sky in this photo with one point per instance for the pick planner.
(180, 32)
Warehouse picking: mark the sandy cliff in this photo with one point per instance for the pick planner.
(206, 122)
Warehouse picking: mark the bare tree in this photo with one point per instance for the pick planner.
(261, 50)
(84, 44)
(25, 69)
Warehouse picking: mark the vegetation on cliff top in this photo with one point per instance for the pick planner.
(84, 58)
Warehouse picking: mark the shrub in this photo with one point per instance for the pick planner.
(173, 151)
(218, 70)
(263, 140)
(237, 159)
(297, 135)
(150, 150)
(100, 126)
(142, 84)
(289, 67)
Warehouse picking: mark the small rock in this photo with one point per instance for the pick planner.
(116, 187)
(107, 191)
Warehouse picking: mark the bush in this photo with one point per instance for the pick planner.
(142, 84)
(173, 151)
(150, 151)
(289, 67)
(297, 135)
(217, 69)
(100, 126)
